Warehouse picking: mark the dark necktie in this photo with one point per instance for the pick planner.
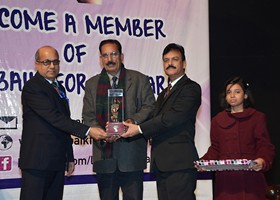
(114, 85)
(61, 94)
(168, 90)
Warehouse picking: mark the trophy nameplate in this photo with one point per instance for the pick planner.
(115, 112)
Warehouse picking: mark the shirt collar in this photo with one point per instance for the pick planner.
(176, 80)
(52, 81)
(111, 76)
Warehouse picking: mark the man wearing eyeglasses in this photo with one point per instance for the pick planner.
(46, 153)
(118, 163)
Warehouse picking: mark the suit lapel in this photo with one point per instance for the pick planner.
(128, 81)
(161, 100)
(159, 103)
(62, 102)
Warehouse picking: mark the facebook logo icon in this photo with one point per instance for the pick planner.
(5, 163)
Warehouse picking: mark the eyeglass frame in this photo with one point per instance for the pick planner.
(49, 62)
(114, 54)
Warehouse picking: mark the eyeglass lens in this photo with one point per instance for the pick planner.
(48, 62)
(113, 54)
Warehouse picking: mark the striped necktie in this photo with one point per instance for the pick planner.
(168, 90)
(61, 94)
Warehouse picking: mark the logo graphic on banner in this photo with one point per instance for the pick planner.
(5, 163)
(8, 122)
(6, 142)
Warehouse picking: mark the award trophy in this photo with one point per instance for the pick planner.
(115, 112)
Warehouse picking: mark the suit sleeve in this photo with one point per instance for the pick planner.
(264, 148)
(45, 105)
(183, 107)
(70, 153)
(89, 104)
(145, 100)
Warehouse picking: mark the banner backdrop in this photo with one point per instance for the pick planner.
(75, 29)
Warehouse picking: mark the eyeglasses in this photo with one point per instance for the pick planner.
(113, 54)
(48, 62)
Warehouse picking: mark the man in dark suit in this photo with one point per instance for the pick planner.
(119, 164)
(46, 146)
(172, 130)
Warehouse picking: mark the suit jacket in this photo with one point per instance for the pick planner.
(46, 143)
(172, 128)
(128, 154)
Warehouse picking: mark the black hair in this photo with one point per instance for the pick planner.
(173, 46)
(111, 41)
(248, 102)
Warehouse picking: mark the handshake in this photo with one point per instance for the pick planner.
(130, 129)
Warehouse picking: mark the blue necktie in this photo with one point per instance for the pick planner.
(61, 94)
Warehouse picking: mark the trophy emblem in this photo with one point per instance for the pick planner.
(115, 112)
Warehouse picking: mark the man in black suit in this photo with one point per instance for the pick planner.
(172, 130)
(46, 152)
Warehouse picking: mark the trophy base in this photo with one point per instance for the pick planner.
(115, 128)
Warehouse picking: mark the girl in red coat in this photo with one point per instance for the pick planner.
(240, 132)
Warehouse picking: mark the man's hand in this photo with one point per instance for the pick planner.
(70, 169)
(131, 130)
(97, 133)
(112, 138)
(130, 121)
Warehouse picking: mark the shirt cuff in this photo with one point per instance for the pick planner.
(140, 131)
(87, 132)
